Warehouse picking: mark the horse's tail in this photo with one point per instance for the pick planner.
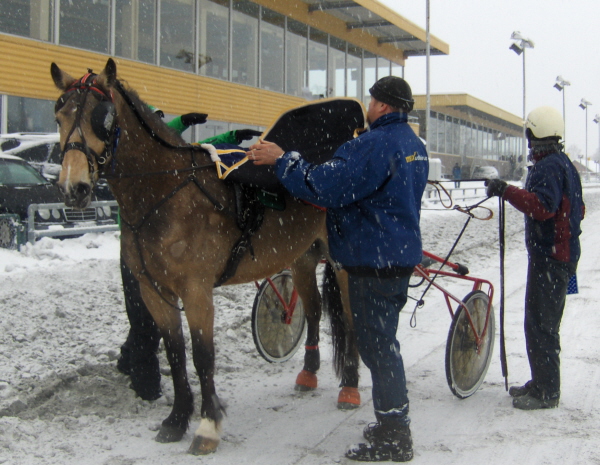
(332, 304)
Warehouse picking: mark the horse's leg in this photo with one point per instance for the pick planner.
(168, 320)
(345, 351)
(349, 397)
(199, 312)
(305, 281)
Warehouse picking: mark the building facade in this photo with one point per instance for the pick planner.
(242, 62)
(472, 133)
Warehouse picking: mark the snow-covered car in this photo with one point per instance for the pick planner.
(484, 172)
(42, 151)
(32, 207)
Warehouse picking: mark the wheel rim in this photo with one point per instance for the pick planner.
(277, 341)
(466, 366)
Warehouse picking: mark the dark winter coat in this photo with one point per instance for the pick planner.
(372, 189)
(553, 205)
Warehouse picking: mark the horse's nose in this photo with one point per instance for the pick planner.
(78, 195)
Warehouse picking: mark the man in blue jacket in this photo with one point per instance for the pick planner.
(553, 205)
(372, 189)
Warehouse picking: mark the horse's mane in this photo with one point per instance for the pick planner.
(154, 120)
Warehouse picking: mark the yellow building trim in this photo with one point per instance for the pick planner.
(298, 10)
(25, 65)
(439, 102)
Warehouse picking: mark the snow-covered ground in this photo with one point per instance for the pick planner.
(62, 400)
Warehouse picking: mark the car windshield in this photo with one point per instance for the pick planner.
(13, 173)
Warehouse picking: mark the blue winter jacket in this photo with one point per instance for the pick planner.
(372, 189)
(553, 205)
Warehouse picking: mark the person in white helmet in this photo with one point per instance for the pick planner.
(553, 205)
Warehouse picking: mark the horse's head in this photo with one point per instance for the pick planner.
(86, 116)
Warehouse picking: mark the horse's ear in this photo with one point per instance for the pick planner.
(61, 79)
(108, 76)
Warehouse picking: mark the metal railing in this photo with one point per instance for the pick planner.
(80, 223)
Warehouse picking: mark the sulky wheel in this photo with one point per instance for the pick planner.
(276, 340)
(465, 365)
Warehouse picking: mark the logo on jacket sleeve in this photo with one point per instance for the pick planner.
(415, 157)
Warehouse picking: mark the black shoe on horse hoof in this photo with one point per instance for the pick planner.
(147, 394)
(123, 365)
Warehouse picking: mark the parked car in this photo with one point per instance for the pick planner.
(21, 186)
(42, 151)
(484, 172)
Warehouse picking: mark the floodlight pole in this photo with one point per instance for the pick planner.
(584, 104)
(560, 86)
(427, 90)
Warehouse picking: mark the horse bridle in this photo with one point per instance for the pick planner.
(109, 131)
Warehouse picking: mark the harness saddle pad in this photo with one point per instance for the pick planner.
(315, 130)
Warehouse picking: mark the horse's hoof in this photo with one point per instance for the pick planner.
(348, 398)
(169, 434)
(306, 381)
(203, 446)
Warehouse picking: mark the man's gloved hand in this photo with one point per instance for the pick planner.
(245, 134)
(495, 187)
(190, 119)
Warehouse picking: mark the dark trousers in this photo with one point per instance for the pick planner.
(547, 281)
(376, 304)
(138, 353)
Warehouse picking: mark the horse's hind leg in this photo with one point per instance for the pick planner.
(345, 351)
(200, 316)
(305, 281)
(168, 320)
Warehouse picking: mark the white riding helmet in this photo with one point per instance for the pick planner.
(546, 122)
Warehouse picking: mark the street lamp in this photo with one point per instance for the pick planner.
(560, 86)
(597, 121)
(584, 104)
(518, 46)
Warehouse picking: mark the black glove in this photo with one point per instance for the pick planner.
(495, 187)
(189, 119)
(245, 134)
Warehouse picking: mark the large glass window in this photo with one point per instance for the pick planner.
(296, 73)
(383, 67)
(30, 115)
(177, 34)
(317, 63)
(441, 133)
(27, 18)
(85, 24)
(214, 38)
(245, 42)
(456, 136)
(432, 145)
(135, 30)
(353, 71)
(370, 74)
(271, 50)
(337, 68)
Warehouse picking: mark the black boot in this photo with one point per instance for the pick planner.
(387, 442)
(519, 391)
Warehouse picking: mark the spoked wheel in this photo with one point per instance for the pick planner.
(276, 340)
(465, 365)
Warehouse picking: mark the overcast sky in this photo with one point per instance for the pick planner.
(566, 34)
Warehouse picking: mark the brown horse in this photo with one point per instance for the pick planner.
(179, 229)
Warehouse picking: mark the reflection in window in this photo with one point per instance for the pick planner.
(353, 73)
(27, 18)
(245, 42)
(214, 38)
(271, 50)
(135, 31)
(30, 115)
(383, 67)
(317, 63)
(370, 73)
(337, 67)
(85, 24)
(177, 34)
(296, 71)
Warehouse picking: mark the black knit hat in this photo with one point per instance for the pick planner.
(394, 91)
